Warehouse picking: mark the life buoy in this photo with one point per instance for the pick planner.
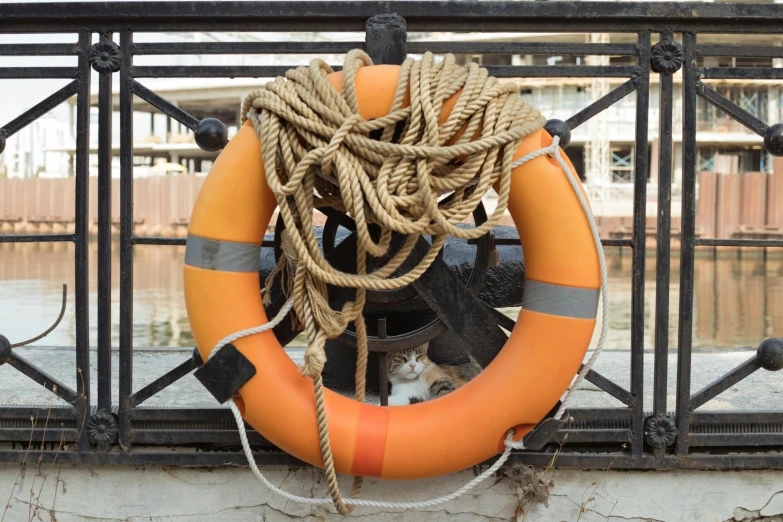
(466, 427)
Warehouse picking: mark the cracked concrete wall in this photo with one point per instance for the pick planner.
(173, 494)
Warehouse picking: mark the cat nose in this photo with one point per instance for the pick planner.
(412, 365)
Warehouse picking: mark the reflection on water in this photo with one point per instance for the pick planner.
(737, 302)
(31, 276)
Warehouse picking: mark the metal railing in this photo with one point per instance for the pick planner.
(624, 437)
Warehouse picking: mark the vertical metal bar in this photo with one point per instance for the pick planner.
(104, 236)
(663, 243)
(383, 367)
(126, 235)
(81, 260)
(687, 251)
(639, 242)
(386, 39)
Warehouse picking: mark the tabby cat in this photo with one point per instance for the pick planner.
(415, 378)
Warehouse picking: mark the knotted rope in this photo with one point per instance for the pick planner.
(314, 140)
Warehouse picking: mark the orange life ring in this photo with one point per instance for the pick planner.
(462, 429)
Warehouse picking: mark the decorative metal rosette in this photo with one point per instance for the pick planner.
(102, 428)
(105, 57)
(667, 57)
(660, 431)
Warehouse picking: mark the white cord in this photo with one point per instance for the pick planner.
(256, 329)
(509, 442)
(360, 502)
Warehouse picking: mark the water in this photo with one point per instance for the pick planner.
(738, 302)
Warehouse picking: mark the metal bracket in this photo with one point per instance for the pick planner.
(546, 430)
(225, 373)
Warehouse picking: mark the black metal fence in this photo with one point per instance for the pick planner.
(624, 437)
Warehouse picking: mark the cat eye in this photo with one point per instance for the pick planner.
(419, 357)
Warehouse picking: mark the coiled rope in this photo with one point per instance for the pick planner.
(313, 140)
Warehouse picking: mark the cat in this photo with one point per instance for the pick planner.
(415, 378)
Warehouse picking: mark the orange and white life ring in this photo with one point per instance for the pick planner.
(517, 390)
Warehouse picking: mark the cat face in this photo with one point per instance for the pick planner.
(409, 364)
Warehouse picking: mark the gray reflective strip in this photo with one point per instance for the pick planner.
(223, 256)
(565, 301)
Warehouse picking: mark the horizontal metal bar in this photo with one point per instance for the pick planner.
(53, 433)
(44, 379)
(501, 241)
(737, 417)
(595, 414)
(601, 104)
(617, 242)
(152, 456)
(611, 460)
(164, 106)
(25, 412)
(149, 240)
(560, 71)
(523, 48)
(39, 109)
(224, 414)
(38, 49)
(33, 73)
(177, 241)
(731, 108)
(724, 382)
(214, 71)
(753, 51)
(42, 238)
(741, 73)
(162, 382)
(173, 438)
(592, 436)
(617, 461)
(245, 47)
(734, 439)
(438, 15)
(181, 414)
(610, 387)
(703, 241)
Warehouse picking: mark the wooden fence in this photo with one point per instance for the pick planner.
(162, 204)
(729, 205)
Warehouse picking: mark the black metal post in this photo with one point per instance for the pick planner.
(383, 374)
(688, 246)
(386, 38)
(104, 233)
(81, 261)
(663, 239)
(126, 237)
(639, 241)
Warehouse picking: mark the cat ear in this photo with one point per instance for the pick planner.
(422, 349)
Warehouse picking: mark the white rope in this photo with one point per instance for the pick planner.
(510, 444)
(360, 502)
(256, 329)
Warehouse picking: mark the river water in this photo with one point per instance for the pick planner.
(738, 302)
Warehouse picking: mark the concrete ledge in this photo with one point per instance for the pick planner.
(163, 494)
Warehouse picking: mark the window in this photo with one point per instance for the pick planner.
(622, 164)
